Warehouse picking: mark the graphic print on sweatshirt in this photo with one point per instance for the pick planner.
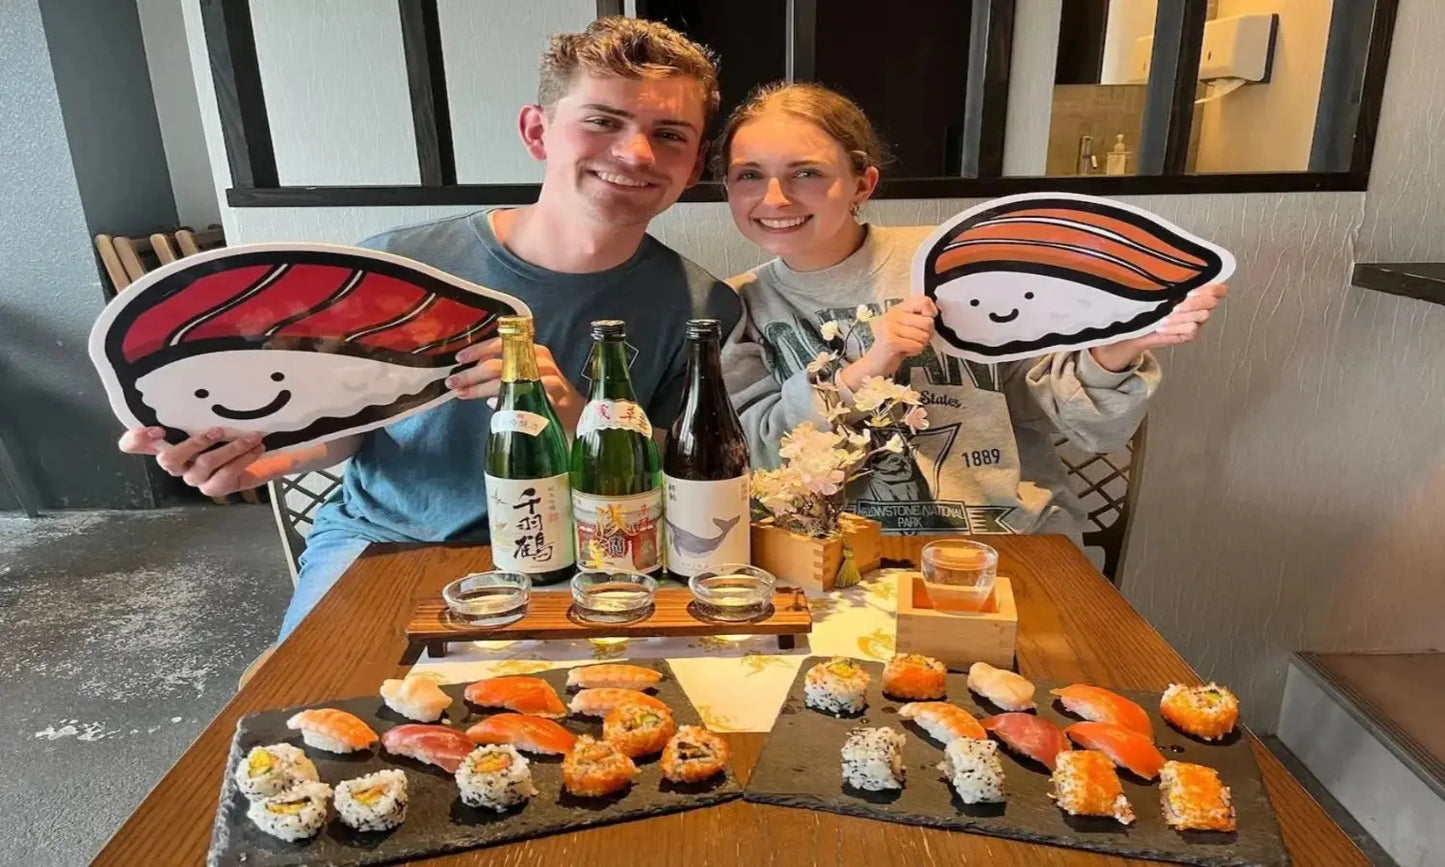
(969, 438)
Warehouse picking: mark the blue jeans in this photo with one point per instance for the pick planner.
(322, 563)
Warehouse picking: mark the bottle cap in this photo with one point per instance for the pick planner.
(516, 326)
(608, 329)
(704, 328)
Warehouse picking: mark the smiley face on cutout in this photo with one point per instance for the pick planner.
(1029, 274)
(300, 343)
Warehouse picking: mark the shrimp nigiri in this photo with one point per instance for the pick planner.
(1127, 748)
(1097, 704)
(332, 730)
(943, 722)
(436, 745)
(531, 733)
(613, 674)
(1001, 686)
(529, 695)
(597, 702)
(1028, 735)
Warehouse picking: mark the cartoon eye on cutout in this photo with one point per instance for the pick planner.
(1023, 275)
(304, 343)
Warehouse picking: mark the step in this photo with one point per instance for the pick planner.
(1371, 728)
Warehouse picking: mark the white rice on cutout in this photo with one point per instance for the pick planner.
(293, 815)
(495, 776)
(873, 759)
(375, 802)
(974, 770)
(272, 769)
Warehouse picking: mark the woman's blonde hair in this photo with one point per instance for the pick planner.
(831, 111)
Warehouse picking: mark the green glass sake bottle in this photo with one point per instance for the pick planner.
(529, 503)
(616, 471)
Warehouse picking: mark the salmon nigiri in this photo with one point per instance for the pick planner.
(529, 695)
(943, 722)
(612, 674)
(531, 733)
(598, 702)
(433, 744)
(1097, 704)
(333, 730)
(1028, 735)
(1001, 687)
(1129, 749)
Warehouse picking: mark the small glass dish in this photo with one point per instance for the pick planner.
(489, 598)
(612, 597)
(733, 592)
(959, 574)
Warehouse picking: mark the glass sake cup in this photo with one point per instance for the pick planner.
(489, 598)
(733, 592)
(612, 597)
(959, 574)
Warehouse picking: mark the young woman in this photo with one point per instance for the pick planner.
(798, 162)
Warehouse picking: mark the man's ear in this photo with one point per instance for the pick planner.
(700, 165)
(532, 124)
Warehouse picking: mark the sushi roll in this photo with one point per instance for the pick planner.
(495, 776)
(595, 769)
(838, 686)
(531, 733)
(375, 802)
(295, 814)
(1206, 712)
(415, 697)
(1097, 704)
(612, 674)
(1085, 784)
(271, 770)
(944, 722)
(529, 695)
(1001, 687)
(637, 730)
(914, 677)
(873, 759)
(693, 754)
(974, 770)
(335, 731)
(1192, 798)
(603, 700)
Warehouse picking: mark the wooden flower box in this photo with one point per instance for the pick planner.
(957, 638)
(811, 563)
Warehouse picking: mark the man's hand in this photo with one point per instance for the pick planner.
(485, 379)
(214, 470)
(1180, 326)
(898, 335)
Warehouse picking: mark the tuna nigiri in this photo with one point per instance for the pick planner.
(436, 745)
(531, 733)
(1028, 735)
(612, 674)
(1001, 687)
(529, 695)
(943, 721)
(597, 702)
(332, 730)
(1129, 749)
(1100, 705)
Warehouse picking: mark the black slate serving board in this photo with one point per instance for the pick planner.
(800, 766)
(437, 821)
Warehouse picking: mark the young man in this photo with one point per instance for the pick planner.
(619, 126)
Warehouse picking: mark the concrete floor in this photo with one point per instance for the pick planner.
(124, 634)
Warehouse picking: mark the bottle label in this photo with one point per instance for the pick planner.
(613, 415)
(531, 523)
(707, 524)
(518, 421)
(619, 532)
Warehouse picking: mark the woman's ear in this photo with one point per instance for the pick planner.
(867, 183)
(532, 126)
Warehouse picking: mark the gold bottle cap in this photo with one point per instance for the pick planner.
(516, 326)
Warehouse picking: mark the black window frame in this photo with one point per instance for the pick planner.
(1178, 35)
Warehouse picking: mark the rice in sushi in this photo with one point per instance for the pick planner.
(375, 802)
(415, 697)
(974, 770)
(838, 686)
(272, 769)
(873, 759)
(1192, 798)
(1085, 784)
(1207, 712)
(294, 814)
(495, 776)
(914, 677)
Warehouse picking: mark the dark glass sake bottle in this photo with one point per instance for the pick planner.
(529, 502)
(616, 476)
(705, 466)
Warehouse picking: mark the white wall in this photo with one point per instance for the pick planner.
(1031, 87)
(1269, 127)
(1129, 21)
(1297, 452)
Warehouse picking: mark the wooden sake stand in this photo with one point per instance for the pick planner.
(957, 638)
(550, 616)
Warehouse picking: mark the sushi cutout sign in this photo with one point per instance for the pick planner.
(302, 343)
(1024, 275)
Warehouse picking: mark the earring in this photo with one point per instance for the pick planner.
(855, 210)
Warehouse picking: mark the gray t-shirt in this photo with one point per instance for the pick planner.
(421, 479)
(986, 463)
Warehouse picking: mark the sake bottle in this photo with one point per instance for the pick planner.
(705, 466)
(616, 474)
(529, 504)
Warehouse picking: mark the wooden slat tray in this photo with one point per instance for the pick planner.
(549, 616)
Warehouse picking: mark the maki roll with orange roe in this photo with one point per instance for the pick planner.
(595, 769)
(1193, 799)
(914, 677)
(1085, 784)
(1207, 712)
(638, 730)
(693, 755)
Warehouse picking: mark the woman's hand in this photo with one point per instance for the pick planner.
(1180, 326)
(898, 335)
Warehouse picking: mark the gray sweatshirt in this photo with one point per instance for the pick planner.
(986, 463)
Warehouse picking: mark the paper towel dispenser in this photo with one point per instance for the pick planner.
(1238, 47)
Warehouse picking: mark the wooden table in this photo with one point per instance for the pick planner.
(1073, 626)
